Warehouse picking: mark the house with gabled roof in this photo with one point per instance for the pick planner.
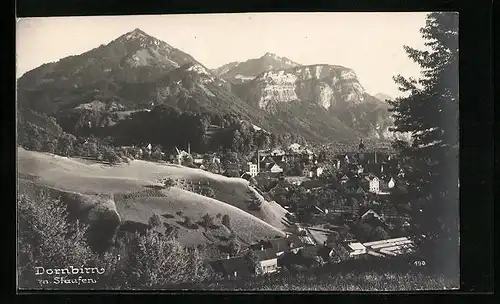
(287, 244)
(275, 168)
(344, 179)
(374, 185)
(267, 261)
(391, 183)
(360, 190)
(236, 267)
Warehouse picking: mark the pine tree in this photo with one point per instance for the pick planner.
(430, 161)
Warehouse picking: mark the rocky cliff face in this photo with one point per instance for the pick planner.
(241, 72)
(328, 86)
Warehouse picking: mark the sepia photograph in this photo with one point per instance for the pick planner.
(238, 152)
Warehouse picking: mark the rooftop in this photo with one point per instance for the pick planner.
(356, 246)
(266, 254)
(232, 265)
(284, 244)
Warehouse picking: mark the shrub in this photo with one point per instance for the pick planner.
(188, 223)
(207, 220)
(46, 238)
(207, 191)
(154, 221)
(156, 261)
(234, 247)
(379, 234)
(50, 146)
(156, 155)
(110, 156)
(225, 220)
(169, 183)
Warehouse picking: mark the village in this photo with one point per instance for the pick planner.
(339, 207)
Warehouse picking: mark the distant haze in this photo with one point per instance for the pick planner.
(369, 43)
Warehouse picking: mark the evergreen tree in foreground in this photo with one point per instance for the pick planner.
(430, 161)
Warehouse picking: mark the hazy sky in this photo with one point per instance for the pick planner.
(369, 43)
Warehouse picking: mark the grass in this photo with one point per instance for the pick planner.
(84, 176)
(194, 206)
(363, 274)
(369, 281)
(137, 194)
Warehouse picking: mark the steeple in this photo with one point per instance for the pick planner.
(361, 146)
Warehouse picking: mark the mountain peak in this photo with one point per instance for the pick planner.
(268, 54)
(136, 33)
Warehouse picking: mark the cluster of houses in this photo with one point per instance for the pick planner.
(359, 172)
(267, 257)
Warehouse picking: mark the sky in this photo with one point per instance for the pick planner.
(369, 43)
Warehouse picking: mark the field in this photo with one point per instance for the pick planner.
(136, 191)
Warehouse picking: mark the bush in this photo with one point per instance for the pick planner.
(169, 183)
(157, 261)
(225, 221)
(379, 234)
(110, 156)
(207, 191)
(154, 221)
(234, 247)
(46, 238)
(207, 220)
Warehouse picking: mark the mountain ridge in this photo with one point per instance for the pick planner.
(240, 72)
(137, 71)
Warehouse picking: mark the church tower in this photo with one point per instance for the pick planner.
(361, 150)
(361, 146)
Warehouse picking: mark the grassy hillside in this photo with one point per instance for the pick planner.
(135, 189)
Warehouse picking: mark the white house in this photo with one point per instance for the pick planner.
(276, 169)
(319, 171)
(336, 164)
(374, 184)
(252, 169)
(198, 159)
(356, 249)
(267, 261)
(294, 148)
(391, 183)
(360, 169)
